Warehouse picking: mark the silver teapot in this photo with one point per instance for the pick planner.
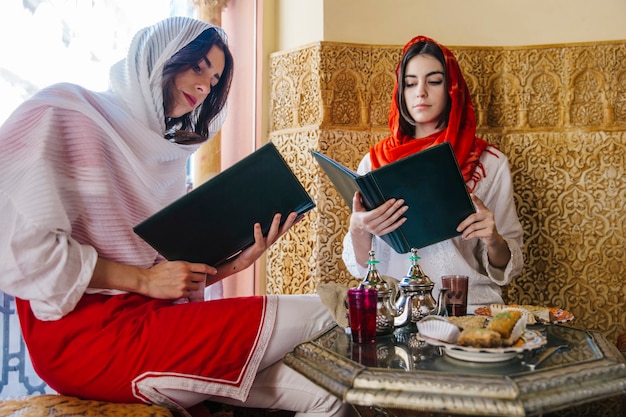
(415, 300)
(409, 304)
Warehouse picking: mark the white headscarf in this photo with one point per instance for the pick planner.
(137, 79)
(78, 169)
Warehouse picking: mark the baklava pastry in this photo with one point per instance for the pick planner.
(510, 324)
(479, 338)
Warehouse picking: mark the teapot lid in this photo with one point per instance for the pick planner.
(416, 279)
(373, 280)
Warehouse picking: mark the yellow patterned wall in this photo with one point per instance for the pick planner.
(558, 112)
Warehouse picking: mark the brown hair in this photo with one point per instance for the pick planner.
(188, 130)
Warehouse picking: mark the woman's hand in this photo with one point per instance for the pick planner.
(166, 280)
(364, 224)
(175, 279)
(262, 243)
(249, 255)
(382, 220)
(482, 225)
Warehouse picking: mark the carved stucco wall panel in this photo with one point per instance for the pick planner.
(558, 112)
(570, 191)
(380, 86)
(291, 260)
(348, 69)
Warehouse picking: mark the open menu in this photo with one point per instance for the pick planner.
(429, 181)
(215, 221)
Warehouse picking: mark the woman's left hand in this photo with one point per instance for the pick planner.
(249, 255)
(482, 225)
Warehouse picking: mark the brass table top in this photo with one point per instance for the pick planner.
(401, 371)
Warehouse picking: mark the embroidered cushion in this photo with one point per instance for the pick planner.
(61, 406)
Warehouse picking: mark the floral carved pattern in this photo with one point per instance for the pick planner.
(345, 105)
(557, 112)
(543, 109)
(620, 99)
(310, 103)
(587, 106)
(283, 106)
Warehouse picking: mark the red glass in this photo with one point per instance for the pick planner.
(456, 309)
(362, 314)
(365, 354)
(456, 296)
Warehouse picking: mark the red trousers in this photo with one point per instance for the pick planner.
(107, 345)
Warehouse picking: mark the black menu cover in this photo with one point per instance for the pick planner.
(215, 221)
(429, 181)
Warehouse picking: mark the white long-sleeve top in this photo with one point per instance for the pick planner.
(79, 169)
(456, 256)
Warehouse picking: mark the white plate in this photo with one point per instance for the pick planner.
(533, 340)
(560, 315)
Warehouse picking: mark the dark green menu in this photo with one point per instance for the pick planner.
(429, 181)
(215, 221)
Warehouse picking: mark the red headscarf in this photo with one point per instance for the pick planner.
(460, 132)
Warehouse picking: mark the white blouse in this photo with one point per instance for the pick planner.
(79, 169)
(457, 256)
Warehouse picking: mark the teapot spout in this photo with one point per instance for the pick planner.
(442, 305)
(402, 311)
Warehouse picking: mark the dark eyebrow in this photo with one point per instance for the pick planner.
(427, 75)
(208, 64)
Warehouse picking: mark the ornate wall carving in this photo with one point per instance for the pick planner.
(558, 112)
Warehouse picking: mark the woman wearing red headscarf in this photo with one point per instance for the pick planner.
(431, 105)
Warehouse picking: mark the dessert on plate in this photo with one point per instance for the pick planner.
(467, 322)
(534, 314)
(504, 329)
(510, 324)
(480, 338)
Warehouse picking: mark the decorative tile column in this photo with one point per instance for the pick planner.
(328, 97)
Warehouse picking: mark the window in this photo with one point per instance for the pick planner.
(50, 41)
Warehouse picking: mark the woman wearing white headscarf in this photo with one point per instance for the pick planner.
(99, 308)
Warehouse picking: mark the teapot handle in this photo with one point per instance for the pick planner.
(442, 302)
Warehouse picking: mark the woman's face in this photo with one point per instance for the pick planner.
(425, 93)
(193, 85)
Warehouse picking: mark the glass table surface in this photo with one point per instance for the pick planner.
(403, 371)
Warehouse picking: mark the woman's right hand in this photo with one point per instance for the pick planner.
(175, 279)
(382, 220)
(165, 280)
(364, 224)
